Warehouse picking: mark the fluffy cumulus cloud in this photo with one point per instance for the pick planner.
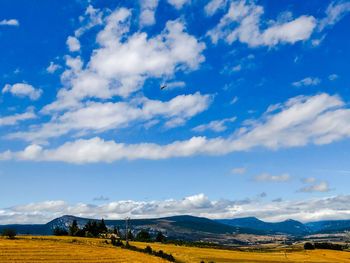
(10, 22)
(243, 23)
(309, 81)
(327, 208)
(178, 3)
(319, 119)
(23, 90)
(98, 116)
(124, 61)
(73, 44)
(272, 178)
(217, 126)
(148, 9)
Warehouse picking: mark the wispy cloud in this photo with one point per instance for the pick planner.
(242, 170)
(317, 187)
(217, 125)
(309, 81)
(272, 178)
(10, 22)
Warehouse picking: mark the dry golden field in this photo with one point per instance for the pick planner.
(67, 249)
(194, 254)
(30, 249)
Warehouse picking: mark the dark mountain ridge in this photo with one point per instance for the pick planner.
(194, 228)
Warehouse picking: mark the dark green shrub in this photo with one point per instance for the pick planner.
(10, 233)
(60, 232)
(328, 245)
(309, 246)
(143, 236)
(148, 250)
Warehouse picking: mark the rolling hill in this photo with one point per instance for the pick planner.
(196, 228)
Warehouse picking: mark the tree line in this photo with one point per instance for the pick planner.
(99, 229)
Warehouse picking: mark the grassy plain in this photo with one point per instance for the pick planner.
(26, 249)
(30, 249)
(196, 255)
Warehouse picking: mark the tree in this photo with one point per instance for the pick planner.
(160, 237)
(10, 233)
(309, 246)
(143, 236)
(102, 227)
(116, 231)
(59, 231)
(73, 229)
(130, 235)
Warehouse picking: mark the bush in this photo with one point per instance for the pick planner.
(148, 250)
(10, 233)
(143, 236)
(327, 245)
(160, 237)
(116, 242)
(60, 232)
(309, 246)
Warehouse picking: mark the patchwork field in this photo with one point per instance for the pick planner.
(52, 249)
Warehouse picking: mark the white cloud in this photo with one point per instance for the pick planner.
(178, 4)
(319, 120)
(314, 209)
(318, 187)
(23, 89)
(242, 23)
(148, 9)
(214, 5)
(242, 170)
(217, 126)
(316, 42)
(234, 100)
(73, 44)
(333, 77)
(175, 85)
(10, 22)
(97, 116)
(14, 119)
(309, 81)
(123, 62)
(52, 67)
(91, 18)
(334, 13)
(272, 178)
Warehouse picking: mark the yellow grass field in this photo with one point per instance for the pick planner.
(67, 249)
(30, 249)
(194, 254)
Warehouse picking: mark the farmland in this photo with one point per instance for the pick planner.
(67, 249)
(30, 249)
(194, 254)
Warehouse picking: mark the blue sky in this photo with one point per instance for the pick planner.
(254, 119)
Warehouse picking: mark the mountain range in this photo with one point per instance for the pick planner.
(196, 228)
